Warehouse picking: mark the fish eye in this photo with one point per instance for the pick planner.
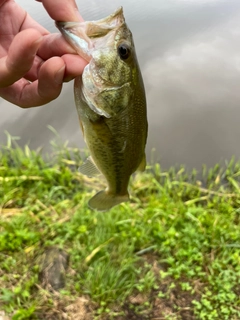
(124, 51)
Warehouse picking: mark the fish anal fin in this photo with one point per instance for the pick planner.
(103, 201)
(88, 168)
(142, 164)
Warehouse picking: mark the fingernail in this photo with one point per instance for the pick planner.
(59, 75)
(36, 44)
(38, 40)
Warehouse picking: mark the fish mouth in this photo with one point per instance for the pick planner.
(74, 33)
(87, 36)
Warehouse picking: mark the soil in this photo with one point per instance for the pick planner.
(176, 304)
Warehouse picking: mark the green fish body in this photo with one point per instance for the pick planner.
(111, 104)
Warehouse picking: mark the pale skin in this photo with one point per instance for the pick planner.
(34, 63)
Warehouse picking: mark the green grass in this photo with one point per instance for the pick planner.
(173, 252)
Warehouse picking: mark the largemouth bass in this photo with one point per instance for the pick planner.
(111, 104)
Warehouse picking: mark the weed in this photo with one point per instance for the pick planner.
(173, 252)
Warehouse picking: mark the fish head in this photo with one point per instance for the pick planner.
(108, 80)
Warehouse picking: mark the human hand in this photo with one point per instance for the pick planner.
(34, 63)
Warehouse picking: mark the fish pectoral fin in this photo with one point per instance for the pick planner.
(88, 168)
(103, 201)
(142, 164)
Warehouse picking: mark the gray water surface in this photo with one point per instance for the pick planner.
(189, 53)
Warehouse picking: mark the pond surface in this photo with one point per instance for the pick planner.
(189, 53)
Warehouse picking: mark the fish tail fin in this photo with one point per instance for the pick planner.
(103, 201)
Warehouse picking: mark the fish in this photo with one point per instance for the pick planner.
(111, 104)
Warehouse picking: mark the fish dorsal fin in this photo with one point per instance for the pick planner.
(88, 168)
(142, 164)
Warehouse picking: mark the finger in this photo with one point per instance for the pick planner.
(32, 74)
(54, 45)
(47, 88)
(62, 10)
(20, 57)
(74, 66)
(29, 22)
(51, 45)
(2, 2)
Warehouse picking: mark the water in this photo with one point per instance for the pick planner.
(189, 53)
